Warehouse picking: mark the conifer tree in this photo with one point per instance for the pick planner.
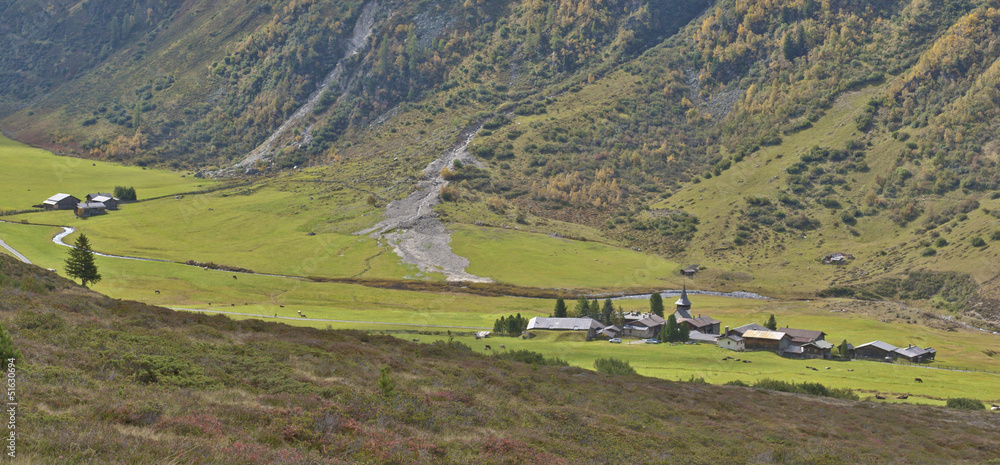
(607, 311)
(669, 332)
(560, 311)
(595, 310)
(683, 333)
(582, 307)
(80, 263)
(656, 304)
(771, 323)
(7, 349)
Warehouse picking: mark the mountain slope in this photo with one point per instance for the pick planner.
(136, 383)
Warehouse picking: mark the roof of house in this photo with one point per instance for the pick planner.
(821, 344)
(753, 326)
(650, 321)
(794, 349)
(702, 337)
(86, 205)
(682, 314)
(683, 300)
(773, 335)
(701, 321)
(99, 194)
(802, 335)
(57, 198)
(612, 330)
(880, 345)
(102, 198)
(572, 324)
(913, 351)
(734, 337)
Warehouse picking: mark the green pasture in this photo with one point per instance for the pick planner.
(264, 228)
(683, 362)
(31, 175)
(540, 260)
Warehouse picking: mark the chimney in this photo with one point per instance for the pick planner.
(727, 330)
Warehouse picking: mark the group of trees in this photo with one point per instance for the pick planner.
(604, 313)
(674, 331)
(125, 193)
(512, 325)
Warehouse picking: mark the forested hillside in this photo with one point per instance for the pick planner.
(597, 113)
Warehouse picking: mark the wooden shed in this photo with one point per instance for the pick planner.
(766, 340)
(61, 202)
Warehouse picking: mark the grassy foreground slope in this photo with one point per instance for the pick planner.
(121, 382)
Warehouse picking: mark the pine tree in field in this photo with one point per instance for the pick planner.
(7, 349)
(683, 333)
(607, 311)
(669, 332)
(595, 310)
(80, 263)
(771, 323)
(582, 307)
(656, 304)
(560, 311)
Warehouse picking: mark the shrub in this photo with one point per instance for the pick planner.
(995, 235)
(530, 357)
(965, 403)
(978, 242)
(929, 252)
(386, 385)
(613, 366)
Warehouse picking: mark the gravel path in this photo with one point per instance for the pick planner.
(414, 230)
(16, 253)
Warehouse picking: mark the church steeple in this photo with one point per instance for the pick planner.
(683, 304)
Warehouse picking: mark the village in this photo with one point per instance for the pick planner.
(94, 204)
(647, 327)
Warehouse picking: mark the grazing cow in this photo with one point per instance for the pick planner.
(827, 368)
(157, 291)
(850, 369)
(879, 397)
(503, 346)
(275, 315)
(809, 367)
(303, 315)
(995, 407)
(232, 305)
(234, 276)
(300, 312)
(815, 369)
(282, 306)
(736, 359)
(487, 347)
(747, 361)
(918, 380)
(904, 397)
(416, 340)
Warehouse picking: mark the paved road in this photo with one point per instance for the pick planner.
(388, 323)
(16, 253)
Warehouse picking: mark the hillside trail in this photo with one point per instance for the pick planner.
(359, 39)
(17, 254)
(412, 227)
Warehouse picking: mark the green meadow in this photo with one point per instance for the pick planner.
(31, 175)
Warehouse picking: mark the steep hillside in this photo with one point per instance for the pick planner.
(751, 137)
(121, 382)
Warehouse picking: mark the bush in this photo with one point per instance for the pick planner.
(995, 236)
(613, 366)
(929, 252)
(530, 357)
(965, 403)
(978, 242)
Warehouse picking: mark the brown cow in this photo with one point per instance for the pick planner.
(918, 380)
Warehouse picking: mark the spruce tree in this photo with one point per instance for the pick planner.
(683, 333)
(80, 263)
(606, 311)
(560, 311)
(7, 349)
(656, 304)
(771, 323)
(582, 307)
(845, 352)
(595, 310)
(669, 332)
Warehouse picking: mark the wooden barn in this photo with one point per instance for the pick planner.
(110, 202)
(876, 350)
(766, 340)
(88, 209)
(61, 202)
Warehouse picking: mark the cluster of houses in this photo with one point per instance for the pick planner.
(787, 342)
(94, 204)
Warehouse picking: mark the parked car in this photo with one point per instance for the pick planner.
(615, 340)
(652, 341)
